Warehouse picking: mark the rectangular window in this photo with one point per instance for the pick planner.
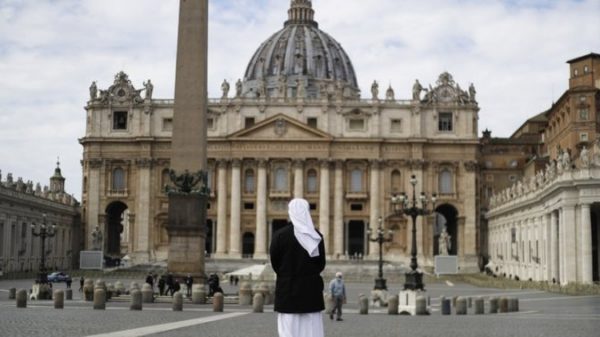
(120, 120)
(583, 137)
(445, 121)
(356, 124)
(167, 124)
(210, 123)
(584, 114)
(248, 122)
(356, 207)
(248, 205)
(396, 126)
(313, 206)
(312, 122)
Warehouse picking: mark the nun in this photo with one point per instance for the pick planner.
(298, 258)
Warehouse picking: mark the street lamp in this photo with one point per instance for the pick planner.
(44, 232)
(403, 205)
(380, 238)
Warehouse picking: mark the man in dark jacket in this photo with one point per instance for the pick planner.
(298, 258)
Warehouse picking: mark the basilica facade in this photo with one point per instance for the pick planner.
(294, 126)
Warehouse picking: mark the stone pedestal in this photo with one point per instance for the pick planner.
(187, 214)
(408, 301)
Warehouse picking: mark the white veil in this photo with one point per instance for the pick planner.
(304, 229)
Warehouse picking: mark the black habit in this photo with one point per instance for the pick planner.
(299, 287)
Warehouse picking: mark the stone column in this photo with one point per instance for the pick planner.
(93, 191)
(236, 201)
(570, 243)
(221, 209)
(375, 208)
(554, 246)
(143, 217)
(586, 245)
(324, 205)
(298, 179)
(338, 209)
(260, 248)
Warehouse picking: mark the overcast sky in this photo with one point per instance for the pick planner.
(514, 51)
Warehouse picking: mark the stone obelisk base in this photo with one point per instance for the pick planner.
(187, 235)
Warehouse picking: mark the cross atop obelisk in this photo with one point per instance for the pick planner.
(187, 201)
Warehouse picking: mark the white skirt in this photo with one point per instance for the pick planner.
(300, 325)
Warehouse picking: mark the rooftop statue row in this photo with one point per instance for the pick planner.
(28, 188)
(554, 169)
(122, 91)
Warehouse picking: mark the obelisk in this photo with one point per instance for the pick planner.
(188, 200)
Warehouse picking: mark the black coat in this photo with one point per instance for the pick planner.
(299, 287)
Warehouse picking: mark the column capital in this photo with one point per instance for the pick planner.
(339, 163)
(236, 162)
(325, 163)
(222, 163)
(262, 162)
(298, 163)
(376, 163)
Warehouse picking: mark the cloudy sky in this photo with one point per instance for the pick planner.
(514, 51)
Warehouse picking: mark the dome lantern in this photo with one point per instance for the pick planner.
(301, 12)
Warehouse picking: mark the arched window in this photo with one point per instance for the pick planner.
(311, 181)
(445, 183)
(118, 179)
(165, 179)
(356, 181)
(281, 180)
(396, 181)
(249, 184)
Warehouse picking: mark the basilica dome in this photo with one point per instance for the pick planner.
(300, 55)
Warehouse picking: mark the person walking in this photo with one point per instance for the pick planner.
(161, 285)
(298, 258)
(170, 283)
(81, 280)
(338, 295)
(150, 281)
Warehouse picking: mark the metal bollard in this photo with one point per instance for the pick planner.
(461, 306)
(258, 303)
(59, 299)
(178, 301)
(69, 294)
(363, 304)
(99, 299)
(493, 305)
(503, 305)
(421, 306)
(12, 293)
(198, 294)
(393, 305)
(479, 306)
(21, 297)
(147, 293)
(136, 300)
(446, 306)
(218, 302)
(245, 294)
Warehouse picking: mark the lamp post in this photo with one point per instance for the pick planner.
(380, 238)
(403, 205)
(44, 233)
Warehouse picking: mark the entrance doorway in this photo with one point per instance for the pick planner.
(248, 245)
(356, 238)
(446, 216)
(209, 243)
(115, 220)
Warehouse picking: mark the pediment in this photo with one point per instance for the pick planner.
(281, 127)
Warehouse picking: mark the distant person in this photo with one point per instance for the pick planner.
(338, 294)
(81, 280)
(170, 283)
(150, 281)
(176, 287)
(298, 258)
(236, 280)
(231, 278)
(161, 285)
(189, 281)
(68, 282)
